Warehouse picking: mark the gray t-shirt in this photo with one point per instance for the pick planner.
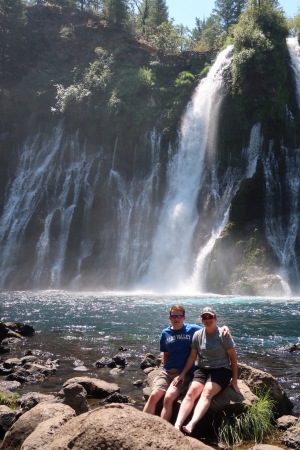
(212, 349)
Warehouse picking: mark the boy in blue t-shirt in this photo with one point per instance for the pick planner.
(175, 343)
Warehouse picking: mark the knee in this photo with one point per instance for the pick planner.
(208, 394)
(155, 396)
(193, 394)
(168, 400)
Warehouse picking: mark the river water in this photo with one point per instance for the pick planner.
(79, 328)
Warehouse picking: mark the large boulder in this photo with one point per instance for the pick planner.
(259, 381)
(118, 427)
(228, 402)
(94, 387)
(27, 423)
(74, 395)
(45, 431)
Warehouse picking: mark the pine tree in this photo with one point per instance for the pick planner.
(228, 11)
(158, 12)
(116, 11)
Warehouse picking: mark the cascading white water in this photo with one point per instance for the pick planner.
(282, 191)
(45, 177)
(224, 191)
(294, 51)
(135, 215)
(282, 205)
(175, 264)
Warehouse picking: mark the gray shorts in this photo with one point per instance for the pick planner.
(165, 378)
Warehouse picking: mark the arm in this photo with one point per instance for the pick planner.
(165, 358)
(234, 367)
(188, 365)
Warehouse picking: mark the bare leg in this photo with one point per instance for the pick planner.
(171, 395)
(153, 399)
(210, 390)
(188, 402)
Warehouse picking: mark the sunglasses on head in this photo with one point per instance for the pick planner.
(207, 317)
(176, 316)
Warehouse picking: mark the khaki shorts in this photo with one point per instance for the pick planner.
(165, 378)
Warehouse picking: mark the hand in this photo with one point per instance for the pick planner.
(177, 379)
(234, 385)
(226, 331)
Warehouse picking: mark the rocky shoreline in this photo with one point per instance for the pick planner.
(90, 413)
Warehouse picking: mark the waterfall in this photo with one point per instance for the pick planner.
(294, 52)
(282, 206)
(73, 216)
(175, 264)
(136, 215)
(282, 193)
(44, 194)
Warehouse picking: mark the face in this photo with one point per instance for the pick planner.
(177, 318)
(208, 319)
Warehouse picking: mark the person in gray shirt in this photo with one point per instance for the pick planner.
(216, 368)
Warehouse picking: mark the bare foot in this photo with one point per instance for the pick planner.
(177, 427)
(187, 428)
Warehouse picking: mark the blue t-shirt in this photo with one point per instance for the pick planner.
(177, 343)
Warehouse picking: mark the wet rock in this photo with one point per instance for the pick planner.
(7, 418)
(291, 437)
(75, 396)
(120, 360)
(105, 361)
(9, 386)
(149, 361)
(94, 387)
(116, 398)
(284, 422)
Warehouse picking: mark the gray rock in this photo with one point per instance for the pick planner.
(258, 381)
(9, 386)
(31, 399)
(75, 396)
(94, 387)
(118, 427)
(45, 430)
(27, 423)
(265, 447)
(291, 437)
(149, 361)
(105, 361)
(284, 422)
(7, 418)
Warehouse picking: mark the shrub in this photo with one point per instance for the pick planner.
(254, 424)
(9, 400)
